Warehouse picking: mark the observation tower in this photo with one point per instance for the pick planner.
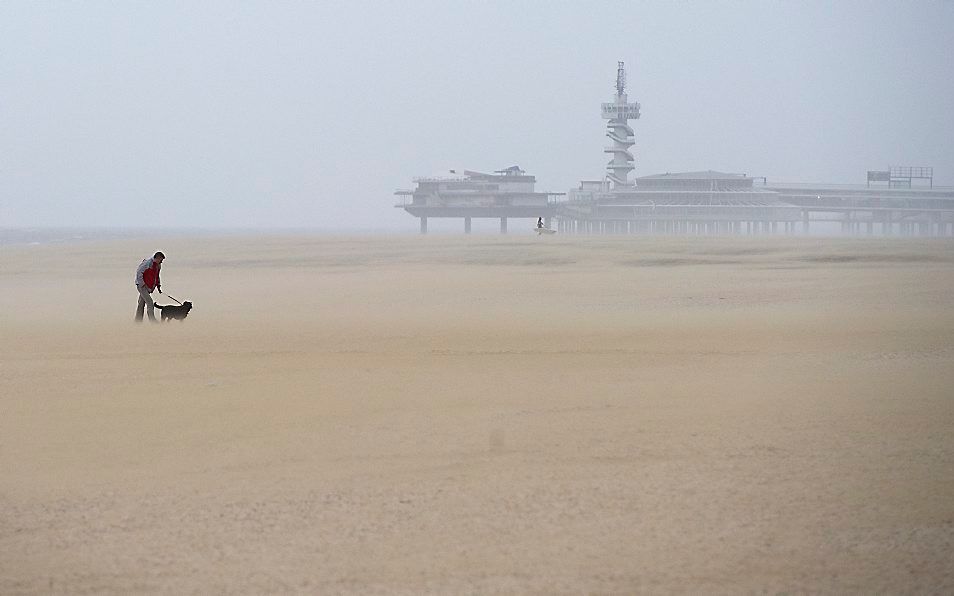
(618, 113)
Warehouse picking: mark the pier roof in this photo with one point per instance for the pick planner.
(706, 175)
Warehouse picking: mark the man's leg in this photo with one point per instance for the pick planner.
(146, 299)
(140, 308)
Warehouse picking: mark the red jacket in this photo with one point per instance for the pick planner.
(151, 276)
(148, 274)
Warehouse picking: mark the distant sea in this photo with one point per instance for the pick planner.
(39, 236)
(44, 236)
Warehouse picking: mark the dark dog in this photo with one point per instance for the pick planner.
(171, 311)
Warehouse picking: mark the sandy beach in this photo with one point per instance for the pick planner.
(475, 415)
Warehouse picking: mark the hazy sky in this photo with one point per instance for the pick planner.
(310, 114)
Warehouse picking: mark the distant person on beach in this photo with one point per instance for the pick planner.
(147, 280)
(539, 222)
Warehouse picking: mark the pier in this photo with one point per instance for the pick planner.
(899, 201)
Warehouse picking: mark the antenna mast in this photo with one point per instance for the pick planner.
(620, 79)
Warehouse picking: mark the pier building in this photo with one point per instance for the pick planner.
(503, 195)
(677, 203)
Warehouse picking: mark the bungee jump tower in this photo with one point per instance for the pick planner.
(618, 113)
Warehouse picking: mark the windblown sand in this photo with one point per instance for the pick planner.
(479, 415)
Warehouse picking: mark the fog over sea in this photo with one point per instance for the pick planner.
(72, 235)
(38, 236)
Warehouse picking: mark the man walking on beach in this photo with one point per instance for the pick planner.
(147, 279)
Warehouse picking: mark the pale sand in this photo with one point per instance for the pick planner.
(480, 415)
